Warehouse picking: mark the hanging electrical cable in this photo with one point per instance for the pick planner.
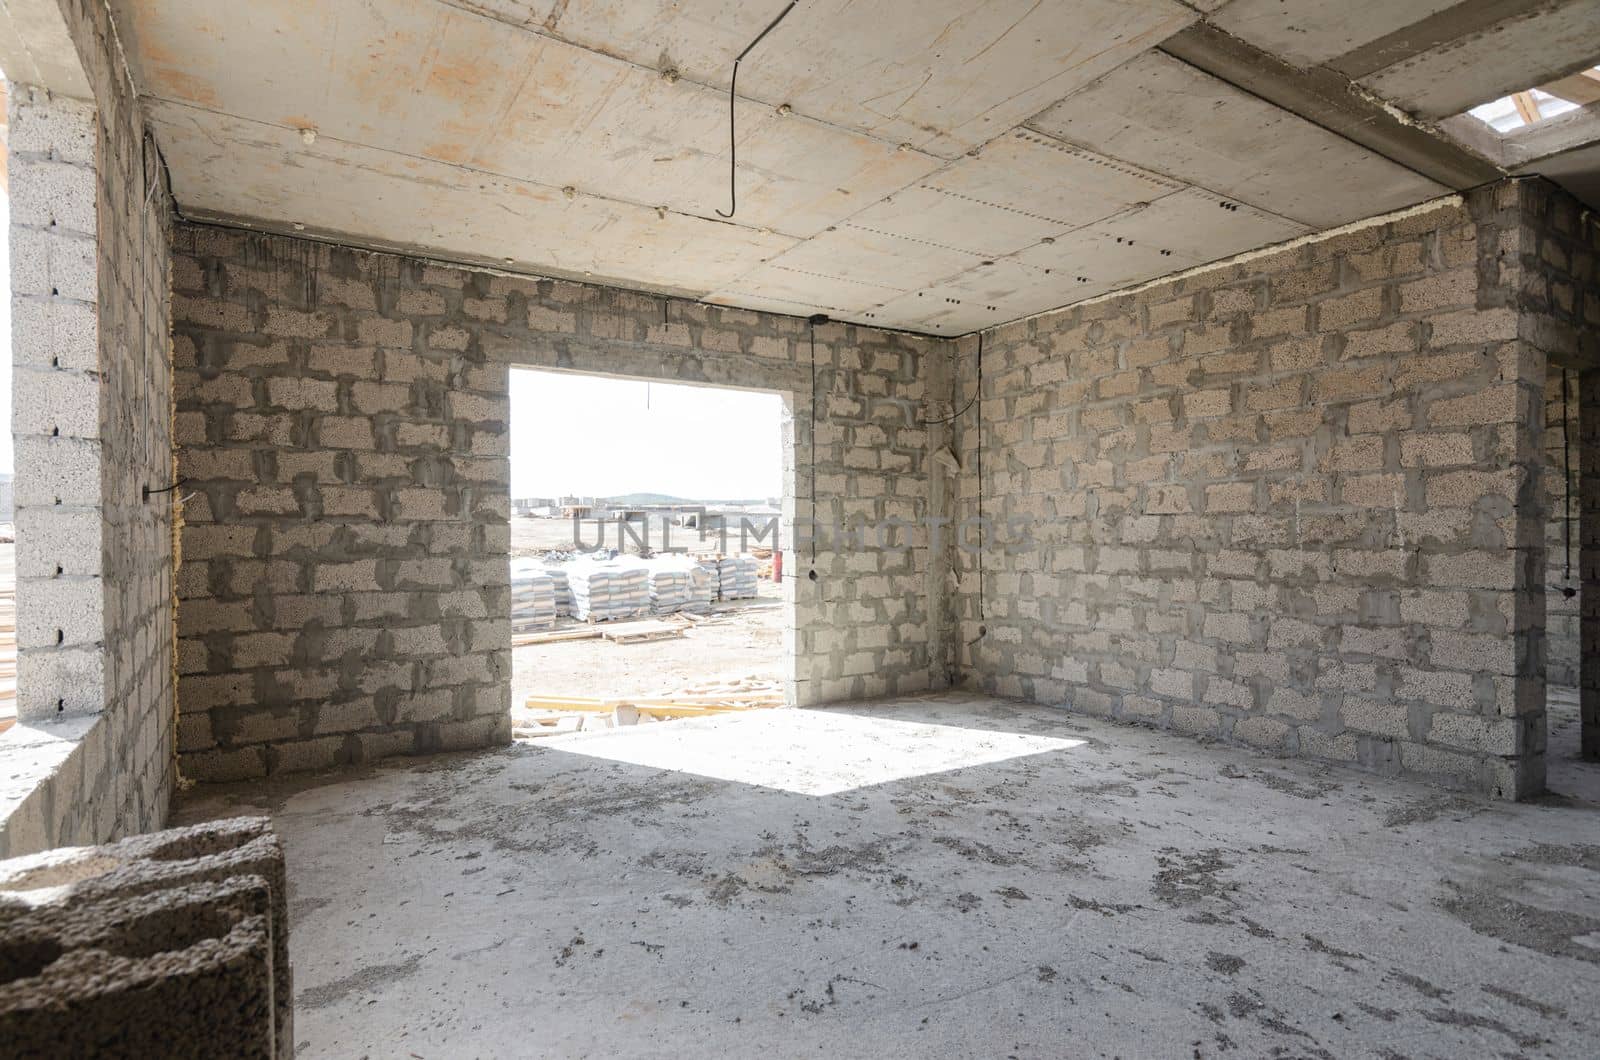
(733, 139)
(1566, 488)
(968, 405)
(983, 610)
(815, 319)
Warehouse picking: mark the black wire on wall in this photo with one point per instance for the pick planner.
(815, 319)
(1566, 459)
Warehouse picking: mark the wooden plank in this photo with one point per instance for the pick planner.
(554, 637)
(1582, 88)
(643, 704)
(1527, 107)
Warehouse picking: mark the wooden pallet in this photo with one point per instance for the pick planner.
(640, 632)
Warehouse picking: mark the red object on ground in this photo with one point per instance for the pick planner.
(777, 564)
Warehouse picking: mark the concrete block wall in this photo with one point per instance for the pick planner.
(342, 429)
(92, 421)
(1290, 502)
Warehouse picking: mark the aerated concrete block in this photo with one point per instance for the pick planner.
(170, 944)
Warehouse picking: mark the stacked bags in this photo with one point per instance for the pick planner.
(533, 598)
(736, 577)
(610, 590)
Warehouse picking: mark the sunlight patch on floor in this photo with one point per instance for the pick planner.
(806, 752)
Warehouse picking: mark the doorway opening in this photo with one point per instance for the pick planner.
(647, 534)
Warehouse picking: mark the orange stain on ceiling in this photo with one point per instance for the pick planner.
(175, 84)
(456, 154)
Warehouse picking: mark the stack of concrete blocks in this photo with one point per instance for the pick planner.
(170, 944)
(1291, 502)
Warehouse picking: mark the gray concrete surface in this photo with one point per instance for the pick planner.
(880, 175)
(1126, 895)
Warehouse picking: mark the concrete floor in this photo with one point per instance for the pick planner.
(1057, 887)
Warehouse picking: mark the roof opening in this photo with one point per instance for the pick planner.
(1521, 110)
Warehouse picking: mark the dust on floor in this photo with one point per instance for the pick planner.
(1054, 886)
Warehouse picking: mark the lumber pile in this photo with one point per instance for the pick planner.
(557, 715)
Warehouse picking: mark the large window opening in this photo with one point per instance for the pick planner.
(647, 528)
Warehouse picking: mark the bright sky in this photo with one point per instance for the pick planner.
(589, 435)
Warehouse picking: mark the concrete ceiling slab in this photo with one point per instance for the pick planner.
(1058, 184)
(984, 298)
(1510, 56)
(1093, 259)
(447, 85)
(1577, 170)
(1199, 227)
(1165, 115)
(230, 169)
(1309, 32)
(589, 138)
(1021, 188)
(869, 256)
(831, 293)
(942, 75)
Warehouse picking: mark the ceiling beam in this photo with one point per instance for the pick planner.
(1329, 99)
(1435, 31)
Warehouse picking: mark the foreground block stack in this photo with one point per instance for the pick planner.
(170, 944)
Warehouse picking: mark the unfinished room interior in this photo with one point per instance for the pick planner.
(1174, 544)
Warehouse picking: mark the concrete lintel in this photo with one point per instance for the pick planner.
(1327, 98)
